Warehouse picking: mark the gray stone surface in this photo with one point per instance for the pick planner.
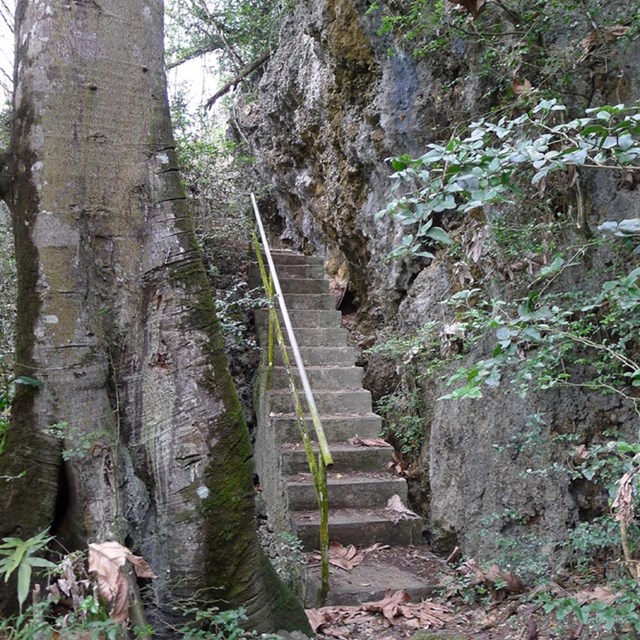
(333, 106)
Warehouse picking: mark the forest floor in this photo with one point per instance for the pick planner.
(463, 602)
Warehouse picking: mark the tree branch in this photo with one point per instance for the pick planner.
(252, 66)
(196, 53)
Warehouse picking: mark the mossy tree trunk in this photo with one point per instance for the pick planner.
(115, 318)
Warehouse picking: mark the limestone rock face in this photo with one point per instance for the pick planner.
(336, 100)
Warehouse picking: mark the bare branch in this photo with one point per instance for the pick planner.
(252, 66)
(6, 15)
(196, 53)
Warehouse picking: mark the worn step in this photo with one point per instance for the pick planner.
(320, 378)
(354, 490)
(413, 569)
(316, 356)
(293, 257)
(303, 318)
(312, 337)
(339, 401)
(304, 285)
(308, 302)
(361, 527)
(337, 427)
(346, 457)
(289, 271)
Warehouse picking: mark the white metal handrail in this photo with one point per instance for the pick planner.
(323, 446)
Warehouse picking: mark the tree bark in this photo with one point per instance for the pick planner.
(136, 433)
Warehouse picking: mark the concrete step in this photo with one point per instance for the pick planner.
(321, 378)
(362, 527)
(356, 401)
(354, 490)
(326, 356)
(313, 337)
(310, 301)
(281, 257)
(337, 427)
(303, 318)
(304, 285)
(346, 458)
(288, 271)
(413, 569)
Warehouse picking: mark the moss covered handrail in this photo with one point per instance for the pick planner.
(318, 469)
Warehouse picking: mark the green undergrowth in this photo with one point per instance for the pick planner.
(544, 297)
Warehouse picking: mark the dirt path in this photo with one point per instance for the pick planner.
(447, 608)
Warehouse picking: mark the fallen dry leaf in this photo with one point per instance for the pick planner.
(623, 504)
(474, 7)
(395, 607)
(369, 442)
(494, 576)
(395, 464)
(521, 88)
(344, 557)
(106, 560)
(376, 546)
(389, 605)
(597, 594)
(603, 35)
(396, 511)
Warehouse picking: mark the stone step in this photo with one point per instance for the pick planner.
(304, 285)
(312, 337)
(337, 427)
(303, 318)
(326, 356)
(413, 569)
(288, 271)
(346, 457)
(337, 401)
(293, 257)
(320, 378)
(362, 527)
(354, 490)
(320, 337)
(310, 301)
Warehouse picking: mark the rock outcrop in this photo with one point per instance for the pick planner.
(336, 101)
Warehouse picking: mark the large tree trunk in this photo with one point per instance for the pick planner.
(116, 319)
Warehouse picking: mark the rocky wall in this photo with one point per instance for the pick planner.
(335, 102)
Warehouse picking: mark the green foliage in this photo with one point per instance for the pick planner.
(403, 421)
(289, 560)
(236, 30)
(20, 555)
(7, 387)
(617, 609)
(510, 44)
(494, 161)
(596, 338)
(403, 410)
(421, 26)
(213, 624)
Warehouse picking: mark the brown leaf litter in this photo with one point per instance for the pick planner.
(395, 609)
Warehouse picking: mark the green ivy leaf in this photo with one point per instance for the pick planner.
(24, 580)
(26, 380)
(440, 235)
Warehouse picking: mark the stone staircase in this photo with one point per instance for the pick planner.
(359, 484)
